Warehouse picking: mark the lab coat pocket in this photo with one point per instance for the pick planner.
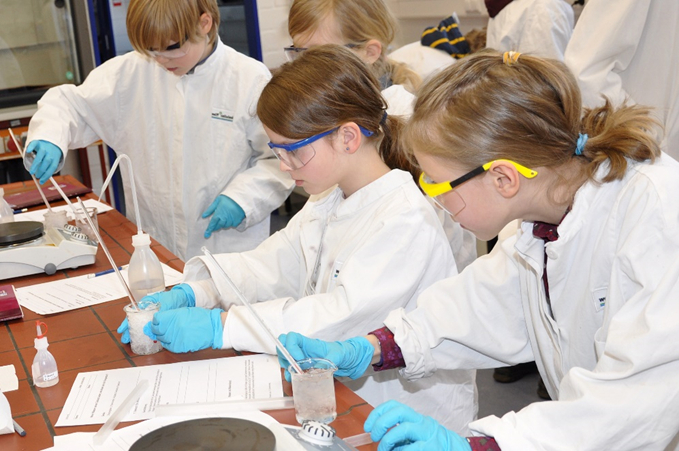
(222, 114)
(221, 127)
(332, 283)
(227, 139)
(599, 298)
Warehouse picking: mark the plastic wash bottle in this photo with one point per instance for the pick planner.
(145, 273)
(45, 373)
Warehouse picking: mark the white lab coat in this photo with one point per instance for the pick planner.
(608, 352)
(380, 248)
(537, 27)
(462, 242)
(423, 60)
(190, 139)
(629, 49)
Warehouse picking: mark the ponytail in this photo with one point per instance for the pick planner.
(391, 148)
(616, 135)
(491, 106)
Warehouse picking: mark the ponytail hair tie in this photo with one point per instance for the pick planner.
(580, 146)
(384, 118)
(510, 58)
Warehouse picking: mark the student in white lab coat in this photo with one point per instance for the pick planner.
(588, 288)
(627, 50)
(539, 27)
(367, 27)
(345, 260)
(181, 107)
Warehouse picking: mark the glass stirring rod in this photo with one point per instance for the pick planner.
(246, 303)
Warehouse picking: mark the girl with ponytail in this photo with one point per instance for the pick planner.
(588, 287)
(344, 261)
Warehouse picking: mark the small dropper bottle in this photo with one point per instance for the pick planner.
(45, 373)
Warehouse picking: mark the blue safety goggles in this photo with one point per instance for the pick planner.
(296, 155)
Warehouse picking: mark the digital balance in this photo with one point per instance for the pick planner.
(27, 247)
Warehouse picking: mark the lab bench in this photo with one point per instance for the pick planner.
(86, 340)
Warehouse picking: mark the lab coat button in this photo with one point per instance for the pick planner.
(551, 253)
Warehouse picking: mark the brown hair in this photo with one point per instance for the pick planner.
(358, 22)
(325, 87)
(481, 109)
(152, 24)
(476, 39)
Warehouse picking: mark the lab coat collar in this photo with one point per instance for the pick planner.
(365, 196)
(582, 204)
(210, 60)
(532, 248)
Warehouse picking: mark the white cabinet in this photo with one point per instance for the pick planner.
(36, 44)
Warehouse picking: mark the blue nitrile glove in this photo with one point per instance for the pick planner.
(187, 329)
(352, 357)
(46, 161)
(179, 296)
(225, 213)
(411, 431)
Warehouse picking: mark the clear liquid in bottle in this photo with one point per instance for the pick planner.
(144, 287)
(145, 272)
(44, 368)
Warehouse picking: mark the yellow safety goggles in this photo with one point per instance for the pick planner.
(436, 189)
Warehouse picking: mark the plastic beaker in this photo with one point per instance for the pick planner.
(55, 219)
(136, 320)
(314, 390)
(84, 225)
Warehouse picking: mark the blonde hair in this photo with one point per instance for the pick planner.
(358, 22)
(527, 110)
(152, 24)
(325, 87)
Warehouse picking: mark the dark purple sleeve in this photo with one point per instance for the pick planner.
(391, 353)
(392, 357)
(483, 444)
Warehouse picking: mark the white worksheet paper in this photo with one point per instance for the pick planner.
(8, 378)
(95, 395)
(77, 292)
(39, 215)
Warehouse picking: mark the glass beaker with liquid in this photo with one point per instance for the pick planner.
(140, 343)
(55, 219)
(314, 390)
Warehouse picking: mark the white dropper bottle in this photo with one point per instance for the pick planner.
(145, 272)
(6, 212)
(45, 373)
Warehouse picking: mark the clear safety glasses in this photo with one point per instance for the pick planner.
(173, 51)
(454, 203)
(292, 52)
(296, 155)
